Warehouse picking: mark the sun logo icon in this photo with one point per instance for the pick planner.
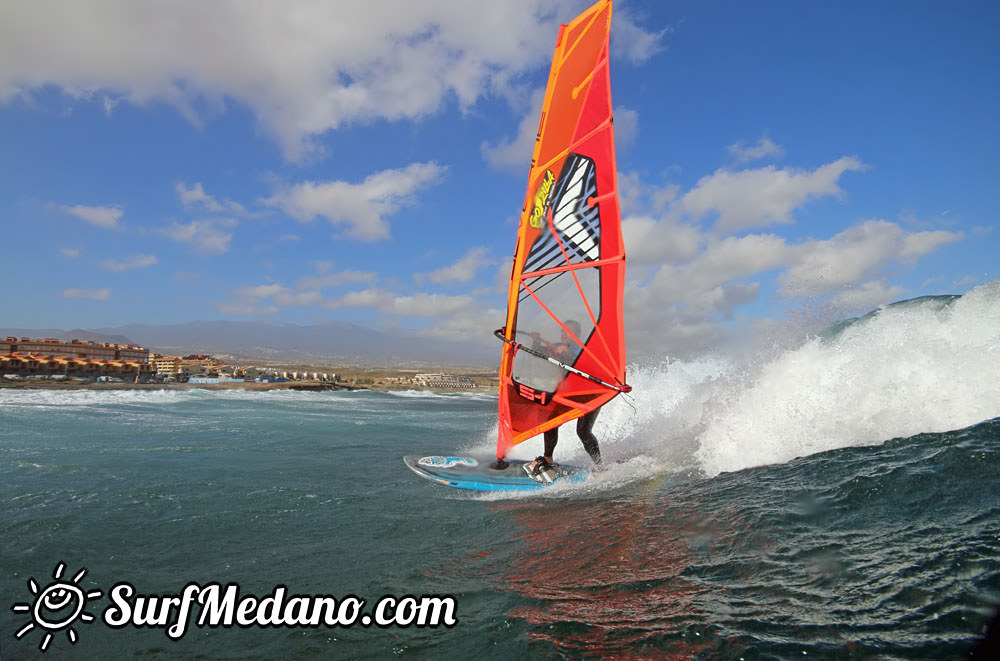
(57, 606)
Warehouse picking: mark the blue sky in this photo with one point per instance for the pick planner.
(366, 162)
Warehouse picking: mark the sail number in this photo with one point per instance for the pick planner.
(539, 396)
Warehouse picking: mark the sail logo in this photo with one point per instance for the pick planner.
(541, 199)
(59, 605)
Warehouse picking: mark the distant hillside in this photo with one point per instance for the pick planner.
(333, 342)
(76, 334)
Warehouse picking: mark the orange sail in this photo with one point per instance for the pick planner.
(564, 340)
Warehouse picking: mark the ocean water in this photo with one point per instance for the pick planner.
(834, 496)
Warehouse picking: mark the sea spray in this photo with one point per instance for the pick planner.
(924, 365)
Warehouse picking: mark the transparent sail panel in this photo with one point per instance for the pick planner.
(538, 330)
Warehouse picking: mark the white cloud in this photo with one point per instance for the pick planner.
(638, 198)
(243, 308)
(106, 217)
(826, 266)
(626, 126)
(708, 286)
(134, 262)
(685, 283)
(631, 41)
(764, 147)
(88, 294)
(754, 198)
(919, 244)
(363, 207)
(260, 291)
(70, 252)
(738, 257)
(462, 270)
(652, 241)
(302, 67)
(472, 324)
(208, 237)
(415, 305)
(336, 279)
(195, 196)
(426, 305)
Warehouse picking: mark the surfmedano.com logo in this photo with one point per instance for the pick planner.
(57, 607)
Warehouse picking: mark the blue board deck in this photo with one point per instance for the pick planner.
(469, 473)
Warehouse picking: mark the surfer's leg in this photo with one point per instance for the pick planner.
(551, 438)
(584, 429)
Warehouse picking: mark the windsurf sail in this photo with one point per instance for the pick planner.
(564, 341)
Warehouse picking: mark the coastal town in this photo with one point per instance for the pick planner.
(51, 362)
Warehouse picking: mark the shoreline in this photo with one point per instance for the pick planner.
(299, 386)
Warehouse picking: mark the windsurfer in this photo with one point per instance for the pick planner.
(563, 350)
(541, 468)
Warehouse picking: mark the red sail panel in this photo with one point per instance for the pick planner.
(567, 282)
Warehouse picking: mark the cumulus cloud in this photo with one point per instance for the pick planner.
(626, 126)
(747, 199)
(324, 280)
(361, 208)
(462, 270)
(195, 196)
(633, 42)
(652, 241)
(686, 282)
(244, 308)
(825, 266)
(134, 262)
(260, 291)
(919, 244)
(302, 67)
(414, 305)
(764, 147)
(208, 237)
(106, 217)
(88, 294)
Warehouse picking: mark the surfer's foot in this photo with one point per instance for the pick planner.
(540, 470)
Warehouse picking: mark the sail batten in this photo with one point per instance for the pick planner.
(567, 279)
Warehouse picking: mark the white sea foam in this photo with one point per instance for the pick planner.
(920, 366)
(430, 394)
(79, 398)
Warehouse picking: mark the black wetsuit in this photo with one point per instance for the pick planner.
(584, 425)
